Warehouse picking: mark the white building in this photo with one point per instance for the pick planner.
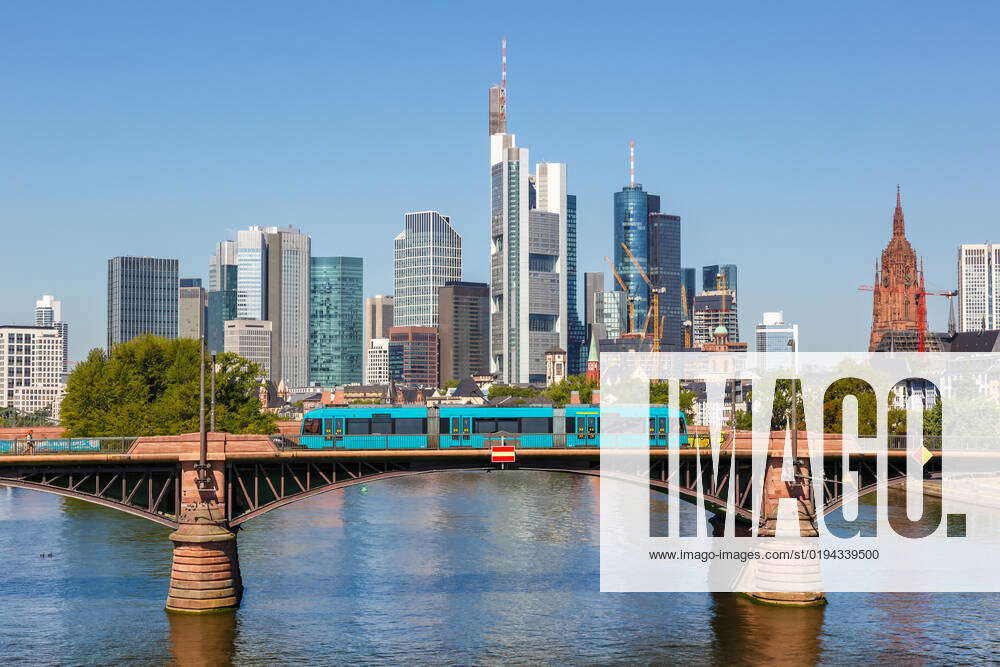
(428, 253)
(32, 368)
(48, 313)
(377, 361)
(773, 334)
(978, 283)
(251, 339)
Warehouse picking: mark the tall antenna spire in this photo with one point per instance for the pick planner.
(503, 83)
(631, 162)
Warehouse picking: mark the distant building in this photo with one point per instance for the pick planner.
(593, 284)
(32, 368)
(710, 276)
(48, 313)
(773, 334)
(978, 287)
(711, 310)
(336, 289)
(688, 279)
(428, 253)
(556, 364)
(221, 298)
(191, 306)
(720, 342)
(378, 316)
(413, 356)
(612, 313)
(377, 361)
(142, 298)
(464, 329)
(898, 285)
(251, 339)
(665, 274)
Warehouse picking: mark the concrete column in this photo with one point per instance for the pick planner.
(205, 576)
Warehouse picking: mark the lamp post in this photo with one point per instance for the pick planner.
(202, 481)
(212, 426)
(795, 411)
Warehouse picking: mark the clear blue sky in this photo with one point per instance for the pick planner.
(778, 131)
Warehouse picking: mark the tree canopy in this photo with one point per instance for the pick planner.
(150, 385)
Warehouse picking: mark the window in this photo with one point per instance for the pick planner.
(570, 424)
(444, 426)
(536, 425)
(311, 426)
(409, 426)
(508, 425)
(381, 426)
(484, 425)
(358, 426)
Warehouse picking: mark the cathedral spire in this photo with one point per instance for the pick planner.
(898, 227)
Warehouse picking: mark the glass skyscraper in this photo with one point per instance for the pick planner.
(428, 253)
(709, 275)
(689, 280)
(142, 298)
(575, 349)
(665, 273)
(632, 208)
(336, 321)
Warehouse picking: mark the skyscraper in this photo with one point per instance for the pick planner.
(378, 316)
(222, 267)
(632, 206)
(190, 308)
(593, 284)
(576, 332)
(463, 330)
(978, 286)
(48, 313)
(413, 356)
(428, 253)
(272, 283)
(142, 298)
(336, 286)
(712, 309)
(690, 289)
(221, 298)
(665, 274)
(710, 276)
(773, 335)
(612, 313)
(530, 248)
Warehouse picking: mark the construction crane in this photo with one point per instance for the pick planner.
(654, 308)
(921, 301)
(628, 296)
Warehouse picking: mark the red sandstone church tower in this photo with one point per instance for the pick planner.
(898, 293)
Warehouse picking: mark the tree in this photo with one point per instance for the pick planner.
(559, 393)
(14, 417)
(659, 394)
(150, 386)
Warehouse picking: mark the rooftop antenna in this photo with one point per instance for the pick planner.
(631, 162)
(503, 82)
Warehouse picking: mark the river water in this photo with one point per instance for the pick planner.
(448, 568)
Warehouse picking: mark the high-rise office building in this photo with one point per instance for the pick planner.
(378, 316)
(632, 206)
(464, 330)
(773, 335)
(272, 283)
(32, 368)
(712, 309)
(530, 248)
(336, 286)
(428, 253)
(576, 332)
(688, 279)
(665, 274)
(710, 276)
(222, 294)
(250, 339)
(978, 286)
(377, 361)
(612, 314)
(142, 298)
(593, 284)
(413, 356)
(48, 313)
(191, 308)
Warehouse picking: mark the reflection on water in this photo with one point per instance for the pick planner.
(456, 567)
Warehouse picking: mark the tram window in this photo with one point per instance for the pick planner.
(312, 426)
(536, 425)
(484, 425)
(410, 426)
(652, 426)
(570, 424)
(684, 426)
(507, 425)
(382, 426)
(358, 426)
(444, 426)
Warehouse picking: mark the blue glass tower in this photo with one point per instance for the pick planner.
(336, 319)
(690, 288)
(665, 273)
(632, 208)
(575, 334)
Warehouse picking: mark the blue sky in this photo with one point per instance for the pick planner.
(778, 131)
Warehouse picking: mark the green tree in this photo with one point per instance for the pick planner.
(150, 386)
(559, 393)
(659, 394)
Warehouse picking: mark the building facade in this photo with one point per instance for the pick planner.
(378, 316)
(221, 298)
(665, 274)
(413, 356)
(713, 309)
(898, 290)
(593, 284)
(48, 313)
(978, 287)
(191, 306)
(142, 298)
(427, 254)
(377, 361)
(464, 330)
(336, 286)
(773, 334)
(250, 339)
(632, 206)
(32, 368)
(612, 313)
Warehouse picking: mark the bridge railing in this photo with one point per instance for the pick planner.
(29, 447)
(931, 442)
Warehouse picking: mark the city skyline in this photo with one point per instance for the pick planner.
(728, 177)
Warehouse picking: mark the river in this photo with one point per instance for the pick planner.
(446, 568)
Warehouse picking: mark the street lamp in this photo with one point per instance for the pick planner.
(795, 411)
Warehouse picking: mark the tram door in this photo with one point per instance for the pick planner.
(466, 427)
(338, 431)
(592, 428)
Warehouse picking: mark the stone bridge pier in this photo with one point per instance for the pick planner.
(205, 574)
